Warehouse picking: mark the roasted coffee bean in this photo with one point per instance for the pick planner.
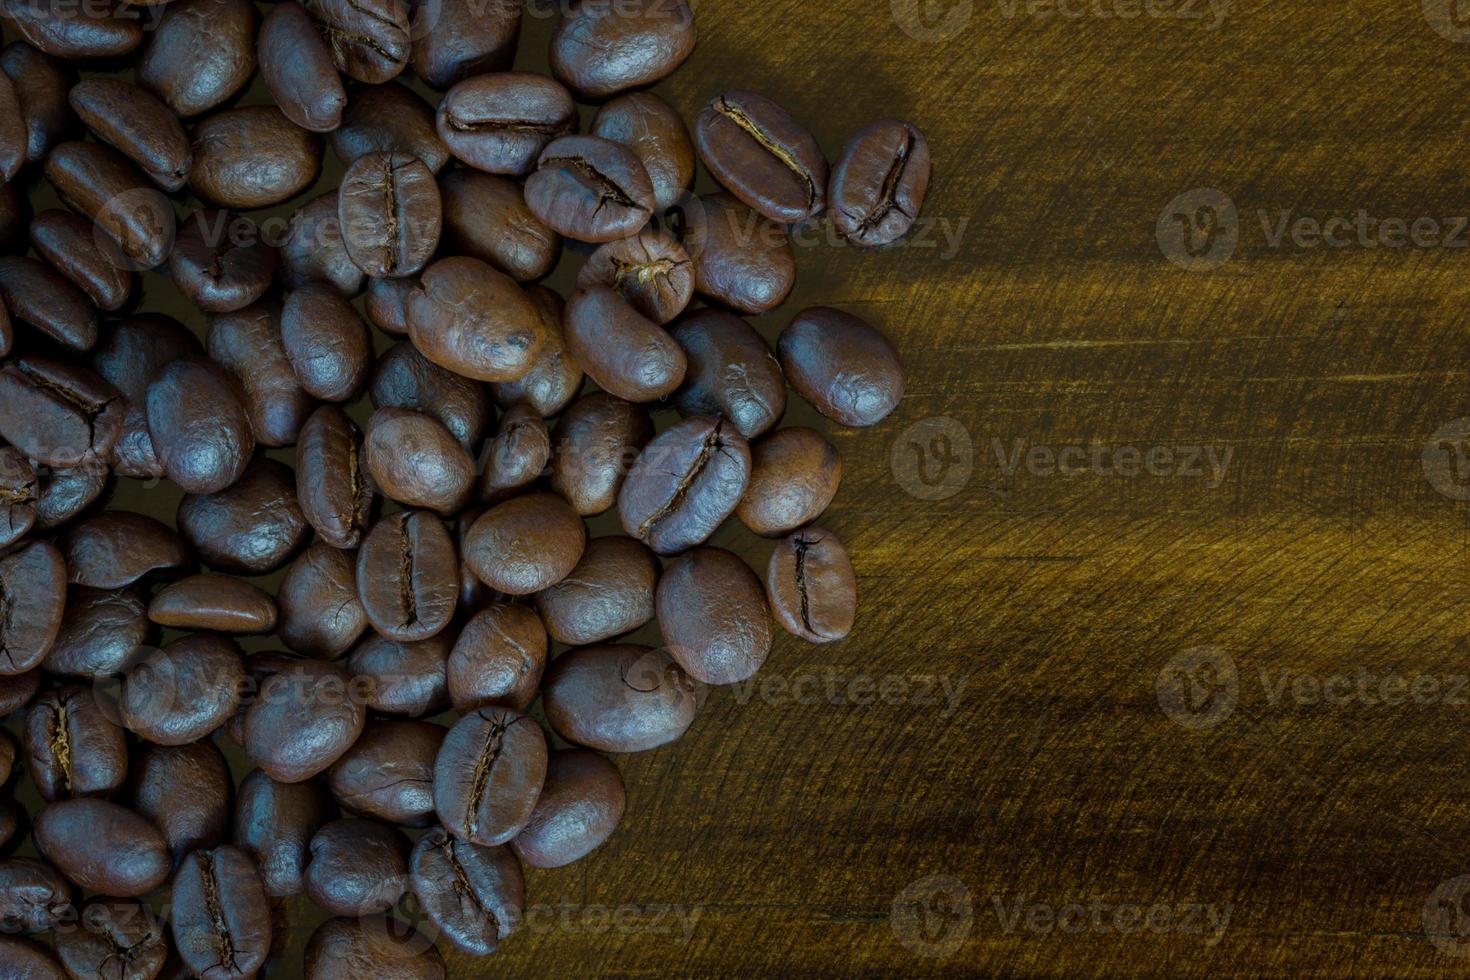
(320, 615)
(390, 212)
(732, 372)
(594, 444)
(71, 245)
(114, 938)
(371, 946)
(72, 747)
(144, 129)
(34, 896)
(298, 70)
(116, 548)
(27, 960)
(32, 598)
(332, 484)
(252, 157)
(369, 38)
(486, 217)
(17, 690)
(57, 412)
(498, 659)
(651, 271)
(314, 250)
(220, 261)
(846, 369)
(414, 460)
(247, 343)
(252, 527)
(652, 129)
(389, 772)
(69, 32)
(404, 378)
(100, 632)
(475, 321)
(102, 847)
(14, 135)
(47, 300)
(183, 692)
(516, 457)
(214, 602)
(794, 475)
(741, 259)
(555, 377)
(387, 304)
(525, 544)
(274, 825)
(302, 721)
(200, 53)
(609, 593)
(590, 189)
(473, 894)
(713, 617)
(20, 488)
(133, 453)
(42, 83)
(600, 49)
(579, 808)
(106, 187)
(488, 775)
(199, 425)
(391, 118)
(618, 698)
(408, 575)
(463, 39)
(627, 354)
(879, 182)
(326, 343)
(763, 156)
(357, 866)
(187, 791)
(138, 348)
(811, 585)
(684, 484)
(403, 678)
(68, 492)
(500, 122)
(221, 919)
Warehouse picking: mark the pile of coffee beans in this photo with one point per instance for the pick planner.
(448, 452)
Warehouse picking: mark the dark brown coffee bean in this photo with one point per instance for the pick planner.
(488, 775)
(652, 129)
(357, 867)
(369, 38)
(298, 70)
(684, 484)
(627, 354)
(332, 484)
(390, 212)
(115, 938)
(214, 602)
(579, 808)
(29, 960)
(36, 293)
(70, 243)
(17, 690)
(516, 457)
(252, 157)
(391, 118)
(732, 372)
(72, 32)
(600, 49)
(314, 250)
(609, 593)
(220, 261)
(500, 122)
(20, 488)
(375, 945)
(221, 919)
(741, 259)
(387, 304)
(590, 189)
(320, 615)
(846, 369)
(486, 217)
(67, 493)
(408, 575)
(414, 460)
(713, 616)
(138, 348)
(34, 897)
(101, 631)
(201, 53)
(763, 156)
(133, 453)
(199, 425)
(326, 342)
(651, 271)
(116, 548)
(58, 413)
(252, 527)
(794, 475)
(136, 123)
(498, 659)
(555, 377)
(473, 894)
(107, 188)
(274, 824)
(183, 692)
(302, 721)
(464, 39)
(879, 182)
(247, 343)
(103, 847)
(404, 378)
(42, 83)
(187, 791)
(72, 747)
(389, 772)
(475, 321)
(618, 698)
(403, 678)
(595, 443)
(811, 585)
(525, 544)
(32, 597)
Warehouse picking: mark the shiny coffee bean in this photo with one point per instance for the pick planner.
(37, 294)
(357, 867)
(332, 484)
(652, 129)
(298, 70)
(214, 602)
(387, 304)
(135, 122)
(108, 188)
(200, 53)
(618, 698)
(846, 369)
(73, 748)
(67, 493)
(498, 659)
(684, 484)
(20, 488)
(32, 597)
(592, 448)
(116, 548)
(811, 585)
(651, 271)
(389, 772)
(376, 946)
(115, 938)
(187, 791)
(627, 354)
(516, 457)
(29, 960)
(486, 217)
(390, 118)
(252, 527)
(600, 49)
(474, 895)
(579, 808)
(713, 617)
(220, 261)
(326, 343)
(500, 122)
(369, 38)
(100, 632)
(247, 343)
(590, 189)
(221, 919)
(102, 847)
(71, 245)
(464, 39)
(742, 259)
(252, 157)
(138, 348)
(609, 593)
(404, 378)
(57, 412)
(16, 691)
(403, 678)
(320, 615)
(408, 575)
(70, 32)
(879, 182)
(525, 544)
(34, 896)
(763, 156)
(314, 249)
(302, 720)
(42, 83)
(475, 321)
(732, 372)
(199, 425)
(414, 460)
(555, 376)
(274, 825)
(794, 475)
(391, 214)
(183, 692)
(488, 775)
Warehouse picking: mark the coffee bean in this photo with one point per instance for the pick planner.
(27, 960)
(34, 896)
(32, 597)
(684, 484)
(314, 249)
(763, 156)
(326, 343)
(626, 353)
(17, 690)
(579, 808)
(302, 721)
(247, 343)
(651, 271)
(14, 136)
(387, 304)
(811, 585)
(69, 32)
(20, 488)
(403, 678)
(500, 122)
(187, 791)
(252, 157)
(525, 544)
(114, 937)
(609, 593)
(594, 444)
(600, 49)
(72, 747)
(391, 118)
(590, 189)
(133, 453)
(404, 378)
(415, 460)
(488, 775)
(374, 945)
(486, 217)
(199, 425)
(140, 347)
(357, 867)
(713, 616)
(200, 53)
(107, 188)
(369, 38)
(42, 83)
(214, 602)
(221, 920)
(144, 129)
(408, 575)
(68, 492)
(498, 659)
(42, 297)
(71, 245)
(742, 259)
(103, 847)
(116, 548)
(794, 475)
(516, 457)
(879, 182)
(475, 321)
(274, 825)
(464, 39)
(390, 212)
(652, 129)
(332, 484)
(100, 632)
(320, 615)
(183, 692)
(732, 372)
(220, 262)
(555, 377)
(389, 772)
(473, 894)
(57, 412)
(296, 65)
(618, 698)
(846, 369)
